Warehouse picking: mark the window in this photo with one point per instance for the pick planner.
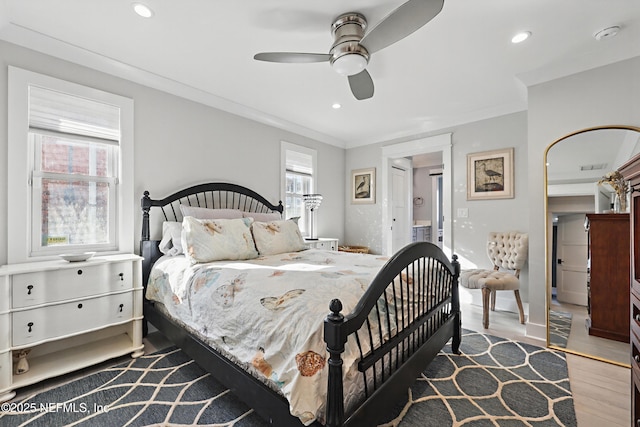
(299, 177)
(78, 174)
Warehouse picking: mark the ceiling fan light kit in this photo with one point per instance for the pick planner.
(352, 45)
(348, 56)
(349, 64)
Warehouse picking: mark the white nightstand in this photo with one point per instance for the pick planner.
(322, 243)
(69, 315)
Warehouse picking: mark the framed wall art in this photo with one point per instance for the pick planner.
(363, 185)
(490, 175)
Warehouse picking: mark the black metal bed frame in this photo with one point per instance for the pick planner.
(418, 285)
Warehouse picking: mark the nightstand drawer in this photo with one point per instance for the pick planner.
(47, 286)
(324, 243)
(54, 321)
(329, 245)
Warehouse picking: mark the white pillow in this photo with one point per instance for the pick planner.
(207, 213)
(205, 240)
(276, 237)
(171, 243)
(263, 217)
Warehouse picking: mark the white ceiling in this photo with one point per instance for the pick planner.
(460, 67)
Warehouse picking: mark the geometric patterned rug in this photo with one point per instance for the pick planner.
(559, 328)
(495, 382)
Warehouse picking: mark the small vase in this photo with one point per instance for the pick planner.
(617, 204)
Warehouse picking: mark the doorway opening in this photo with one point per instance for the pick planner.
(390, 156)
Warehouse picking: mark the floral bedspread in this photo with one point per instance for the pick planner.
(268, 313)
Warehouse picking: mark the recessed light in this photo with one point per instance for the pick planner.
(142, 10)
(336, 106)
(520, 37)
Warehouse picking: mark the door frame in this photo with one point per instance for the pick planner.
(431, 144)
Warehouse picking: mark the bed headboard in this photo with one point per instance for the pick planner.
(213, 195)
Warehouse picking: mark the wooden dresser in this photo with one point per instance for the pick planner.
(608, 283)
(631, 172)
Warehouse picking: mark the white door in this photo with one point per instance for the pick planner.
(572, 260)
(400, 230)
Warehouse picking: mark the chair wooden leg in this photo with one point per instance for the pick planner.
(486, 293)
(519, 302)
(493, 300)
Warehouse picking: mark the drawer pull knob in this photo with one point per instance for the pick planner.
(80, 305)
(30, 287)
(636, 358)
(30, 324)
(79, 272)
(638, 318)
(121, 275)
(121, 306)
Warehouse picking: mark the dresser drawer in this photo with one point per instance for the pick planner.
(635, 314)
(58, 285)
(635, 358)
(58, 320)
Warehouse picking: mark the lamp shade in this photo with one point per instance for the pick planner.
(312, 201)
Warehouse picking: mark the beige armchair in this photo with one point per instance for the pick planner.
(507, 251)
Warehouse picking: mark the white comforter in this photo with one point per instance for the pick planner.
(268, 314)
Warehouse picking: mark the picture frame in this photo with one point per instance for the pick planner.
(490, 175)
(363, 186)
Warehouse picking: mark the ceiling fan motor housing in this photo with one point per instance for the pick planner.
(348, 56)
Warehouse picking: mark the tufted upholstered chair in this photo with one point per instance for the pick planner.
(507, 251)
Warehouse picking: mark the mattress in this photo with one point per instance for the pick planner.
(267, 315)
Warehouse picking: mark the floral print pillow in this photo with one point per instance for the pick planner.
(276, 237)
(206, 240)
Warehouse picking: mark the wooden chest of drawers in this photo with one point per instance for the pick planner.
(609, 275)
(68, 315)
(631, 172)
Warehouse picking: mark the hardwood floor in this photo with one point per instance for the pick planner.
(581, 342)
(601, 391)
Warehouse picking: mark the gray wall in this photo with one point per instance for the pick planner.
(470, 234)
(602, 96)
(179, 142)
(362, 222)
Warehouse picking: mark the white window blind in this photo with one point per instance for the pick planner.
(59, 112)
(299, 162)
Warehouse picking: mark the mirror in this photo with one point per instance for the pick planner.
(573, 166)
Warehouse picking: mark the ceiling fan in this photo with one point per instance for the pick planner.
(352, 47)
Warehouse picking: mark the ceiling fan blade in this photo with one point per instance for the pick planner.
(400, 23)
(361, 85)
(292, 57)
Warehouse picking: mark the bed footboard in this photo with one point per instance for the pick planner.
(406, 316)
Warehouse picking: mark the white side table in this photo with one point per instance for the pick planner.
(322, 243)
